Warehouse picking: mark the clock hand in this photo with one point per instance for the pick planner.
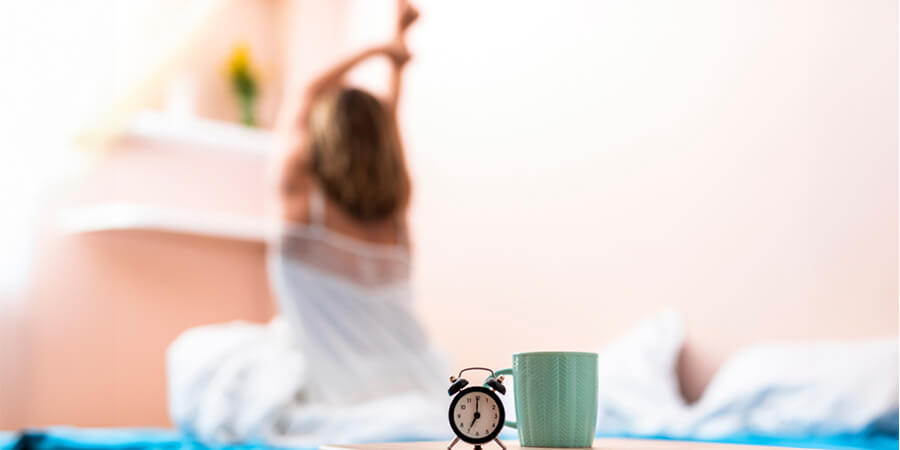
(477, 414)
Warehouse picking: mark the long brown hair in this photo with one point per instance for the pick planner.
(356, 154)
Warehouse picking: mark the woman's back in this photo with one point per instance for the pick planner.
(348, 303)
(389, 231)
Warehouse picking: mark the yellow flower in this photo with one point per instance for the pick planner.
(243, 82)
(239, 62)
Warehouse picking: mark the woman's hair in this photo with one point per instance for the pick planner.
(356, 154)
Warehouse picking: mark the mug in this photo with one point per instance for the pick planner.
(555, 398)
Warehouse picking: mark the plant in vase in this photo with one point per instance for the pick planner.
(243, 83)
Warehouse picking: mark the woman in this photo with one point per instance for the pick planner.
(341, 267)
(346, 358)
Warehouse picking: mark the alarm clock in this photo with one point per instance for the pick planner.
(476, 412)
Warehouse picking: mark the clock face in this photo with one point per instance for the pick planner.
(476, 415)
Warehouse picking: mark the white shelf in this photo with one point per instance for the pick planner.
(201, 133)
(128, 216)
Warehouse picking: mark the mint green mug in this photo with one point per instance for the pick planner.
(555, 398)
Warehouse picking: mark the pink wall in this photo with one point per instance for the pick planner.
(580, 167)
(13, 353)
(101, 308)
(87, 345)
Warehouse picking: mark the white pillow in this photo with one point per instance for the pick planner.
(779, 389)
(800, 389)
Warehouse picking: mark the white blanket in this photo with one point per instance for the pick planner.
(240, 382)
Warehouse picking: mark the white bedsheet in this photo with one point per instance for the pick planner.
(241, 382)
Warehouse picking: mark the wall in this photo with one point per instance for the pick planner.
(103, 307)
(581, 166)
(11, 373)
(86, 342)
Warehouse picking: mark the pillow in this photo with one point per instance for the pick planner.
(801, 389)
(797, 389)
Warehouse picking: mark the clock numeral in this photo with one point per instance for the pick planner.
(458, 416)
(460, 425)
(487, 431)
(468, 400)
(477, 434)
(462, 406)
(477, 397)
(496, 416)
(493, 406)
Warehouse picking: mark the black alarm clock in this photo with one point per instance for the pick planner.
(476, 413)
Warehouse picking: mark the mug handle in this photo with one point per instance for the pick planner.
(509, 372)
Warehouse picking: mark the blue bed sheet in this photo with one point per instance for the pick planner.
(845, 442)
(66, 438)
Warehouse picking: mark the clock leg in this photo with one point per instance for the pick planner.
(497, 440)
(455, 440)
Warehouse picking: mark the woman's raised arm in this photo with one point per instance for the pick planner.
(406, 16)
(296, 108)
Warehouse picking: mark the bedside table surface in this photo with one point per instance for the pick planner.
(604, 444)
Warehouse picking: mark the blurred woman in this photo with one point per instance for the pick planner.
(346, 358)
(341, 267)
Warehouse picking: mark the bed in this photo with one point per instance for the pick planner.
(151, 438)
